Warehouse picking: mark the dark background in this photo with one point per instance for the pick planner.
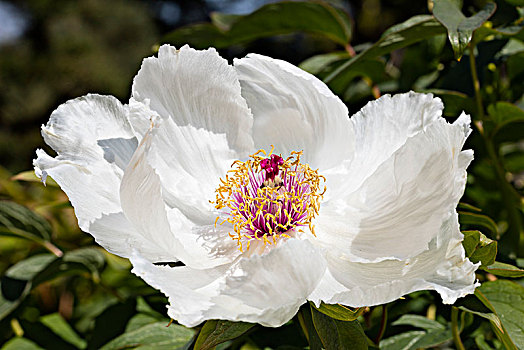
(55, 50)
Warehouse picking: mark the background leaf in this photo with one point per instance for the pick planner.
(504, 270)
(153, 336)
(478, 220)
(503, 113)
(60, 327)
(215, 332)
(411, 31)
(338, 312)
(507, 299)
(20, 344)
(273, 19)
(419, 322)
(460, 28)
(336, 334)
(479, 248)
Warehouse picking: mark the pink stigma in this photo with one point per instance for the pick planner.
(270, 165)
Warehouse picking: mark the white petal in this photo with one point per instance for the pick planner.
(190, 163)
(168, 228)
(141, 198)
(189, 290)
(294, 111)
(399, 208)
(117, 235)
(269, 289)
(196, 88)
(383, 126)
(266, 289)
(443, 268)
(94, 142)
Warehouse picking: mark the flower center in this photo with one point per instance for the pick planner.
(268, 197)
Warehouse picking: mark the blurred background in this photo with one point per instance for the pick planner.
(52, 51)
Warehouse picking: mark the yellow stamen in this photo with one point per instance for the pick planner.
(297, 187)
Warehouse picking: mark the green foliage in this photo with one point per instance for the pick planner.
(504, 270)
(60, 290)
(460, 28)
(272, 19)
(215, 332)
(338, 312)
(479, 248)
(60, 327)
(507, 301)
(335, 334)
(152, 336)
(504, 113)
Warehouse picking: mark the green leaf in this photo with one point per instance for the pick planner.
(373, 69)
(17, 220)
(478, 220)
(20, 221)
(351, 334)
(477, 304)
(460, 28)
(90, 258)
(433, 338)
(60, 327)
(141, 320)
(503, 270)
(273, 19)
(513, 47)
(417, 339)
(487, 32)
(30, 176)
(28, 269)
(495, 321)
(224, 21)
(473, 304)
(306, 322)
(507, 299)
(17, 281)
(153, 336)
(317, 64)
(20, 344)
(435, 334)
(418, 321)
(215, 332)
(466, 206)
(503, 113)
(479, 248)
(339, 312)
(336, 334)
(403, 341)
(413, 30)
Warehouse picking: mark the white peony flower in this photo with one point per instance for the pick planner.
(357, 211)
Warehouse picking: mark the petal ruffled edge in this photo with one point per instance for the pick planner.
(398, 209)
(443, 268)
(173, 85)
(256, 289)
(94, 139)
(294, 111)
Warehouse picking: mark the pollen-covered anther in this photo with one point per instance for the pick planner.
(268, 197)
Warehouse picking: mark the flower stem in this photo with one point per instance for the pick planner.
(383, 322)
(455, 329)
(476, 82)
(513, 243)
(349, 49)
